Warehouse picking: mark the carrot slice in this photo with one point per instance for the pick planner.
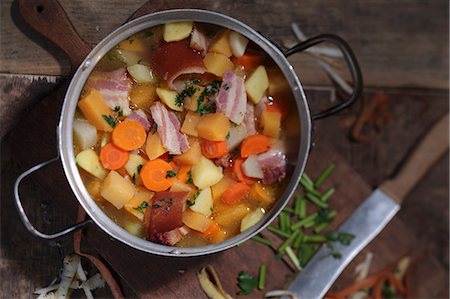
(237, 170)
(112, 157)
(212, 230)
(235, 193)
(129, 135)
(250, 60)
(253, 145)
(214, 149)
(183, 173)
(154, 175)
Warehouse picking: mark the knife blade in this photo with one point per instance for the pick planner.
(369, 219)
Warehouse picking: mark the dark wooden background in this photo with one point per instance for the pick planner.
(403, 50)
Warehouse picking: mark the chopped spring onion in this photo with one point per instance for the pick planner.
(278, 231)
(324, 175)
(262, 240)
(321, 227)
(291, 254)
(262, 277)
(316, 200)
(327, 194)
(288, 241)
(297, 205)
(302, 222)
(283, 221)
(289, 210)
(306, 181)
(298, 240)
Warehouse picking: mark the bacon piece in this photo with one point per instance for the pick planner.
(273, 164)
(169, 129)
(165, 213)
(171, 60)
(261, 106)
(249, 119)
(199, 41)
(114, 87)
(232, 98)
(140, 116)
(224, 161)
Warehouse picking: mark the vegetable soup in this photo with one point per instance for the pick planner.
(178, 134)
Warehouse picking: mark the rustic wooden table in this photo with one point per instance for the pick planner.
(403, 50)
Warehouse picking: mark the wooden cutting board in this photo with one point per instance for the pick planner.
(33, 140)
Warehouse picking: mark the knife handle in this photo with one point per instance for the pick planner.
(430, 149)
(49, 19)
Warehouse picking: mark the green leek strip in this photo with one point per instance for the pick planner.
(302, 222)
(306, 181)
(283, 223)
(298, 240)
(316, 200)
(309, 224)
(262, 240)
(291, 254)
(289, 210)
(327, 194)
(303, 208)
(314, 239)
(324, 175)
(321, 227)
(313, 191)
(262, 276)
(288, 241)
(278, 231)
(288, 224)
(297, 205)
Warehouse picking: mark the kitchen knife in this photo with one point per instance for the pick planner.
(369, 219)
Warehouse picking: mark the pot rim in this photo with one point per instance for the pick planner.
(65, 137)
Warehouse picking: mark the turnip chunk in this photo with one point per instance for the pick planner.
(199, 41)
(237, 134)
(84, 134)
(238, 44)
(252, 169)
(70, 269)
(141, 73)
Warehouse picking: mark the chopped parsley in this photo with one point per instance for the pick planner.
(170, 174)
(323, 216)
(210, 89)
(139, 168)
(195, 81)
(148, 33)
(187, 92)
(169, 158)
(189, 180)
(133, 179)
(118, 110)
(154, 127)
(168, 201)
(228, 136)
(110, 120)
(342, 237)
(157, 206)
(190, 203)
(141, 207)
(226, 87)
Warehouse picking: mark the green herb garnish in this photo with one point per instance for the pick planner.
(139, 168)
(262, 276)
(148, 33)
(154, 127)
(170, 174)
(189, 180)
(141, 207)
(210, 89)
(187, 92)
(118, 111)
(247, 283)
(342, 237)
(110, 120)
(133, 179)
(168, 201)
(157, 206)
(195, 81)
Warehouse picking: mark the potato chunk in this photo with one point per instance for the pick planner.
(141, 73)
(169, 97)
(176, 31)
(154, 147)
(143, 95)
(203, 204)
(84, 134)
(190, 123)
(93, 107)
(206, 173)
(116, 189)
(257, 84)
(217, 63)
(251, 219)
(214, 127)
(191, 156)
(270, 123)
(89, 161)
(196, 221)
(221, 44)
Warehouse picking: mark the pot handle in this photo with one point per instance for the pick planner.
(23, 215)
(352, 63)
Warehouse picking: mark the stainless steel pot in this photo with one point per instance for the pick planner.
(298, 124)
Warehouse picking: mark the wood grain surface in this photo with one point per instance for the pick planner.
(399, 43)
(32, 263)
